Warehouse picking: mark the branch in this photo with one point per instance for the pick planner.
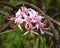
(4, 13)
(56, 22)
(56, 14)
(28, 5)
(55, 32)
(7, 4)
(5, 26)
(7, 31)
(53, 8)
(48, 33)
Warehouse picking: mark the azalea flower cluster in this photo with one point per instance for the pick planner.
(32, 19)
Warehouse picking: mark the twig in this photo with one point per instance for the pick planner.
(7, 4)
(4, 13)
(55, 32)
(56, 14)
(7, 31)
(48, 33)
(28, 5)
(56, 22)
(5, 26)
(53, 8)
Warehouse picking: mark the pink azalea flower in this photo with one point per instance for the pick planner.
(31, 18)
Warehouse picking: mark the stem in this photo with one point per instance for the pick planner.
(38, 40)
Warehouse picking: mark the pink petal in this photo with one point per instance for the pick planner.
(41, 31)
(18, 13)
(20, 27)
